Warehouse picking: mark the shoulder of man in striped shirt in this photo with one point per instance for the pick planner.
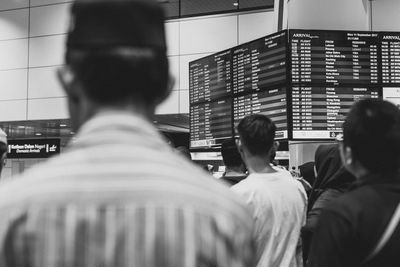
(98, 205)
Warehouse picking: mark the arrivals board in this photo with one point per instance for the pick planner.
(304, 80)
(334, 57)
(210, 123)
(260, 64)
(210, 77)
(272, 103)
(319, 112)
(390, 58)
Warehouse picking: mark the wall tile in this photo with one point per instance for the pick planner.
(170, 105)
(14, 24)
(385, 15)
(43, 83)
(172, 33)
(208, 34)
(14, 110)
(12, 4)
(47, 20)
(13, 84)
(174, 70)
(255, 25)
(184, 101)
(327, 15)
(47, 51)
(13, 54)
(184, 69)
(48, 2)
(51, 108)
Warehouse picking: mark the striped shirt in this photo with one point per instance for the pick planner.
(119, 197)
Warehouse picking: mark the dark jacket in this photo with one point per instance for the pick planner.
(332, 181)
(330, 172)
(350, 227)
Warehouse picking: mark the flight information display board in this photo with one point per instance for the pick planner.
(271, 103)
(390, 43)
(304, 80)
(334, 57)
(210, 123)
(210, 77)
(319, 112)
(260, 64)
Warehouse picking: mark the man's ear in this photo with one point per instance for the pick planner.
(239, 146)
(347, 156)
(170, 86)
(67, 79)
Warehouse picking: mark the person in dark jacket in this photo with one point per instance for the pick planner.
(332, 181)
(307, 172)
(330, 173)
(360, 228)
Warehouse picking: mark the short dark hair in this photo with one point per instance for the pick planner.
(230, 154)
(257, 133)
(372, 131)
(111, 75)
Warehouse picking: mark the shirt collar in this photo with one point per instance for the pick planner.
(375, 179)
(111, 120)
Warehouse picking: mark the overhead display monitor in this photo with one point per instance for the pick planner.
(271, 103)
(210, 123)
(210, 77)
(334, 57)
(390, 43)
(260, 64)
(319, 112)
(304, 80)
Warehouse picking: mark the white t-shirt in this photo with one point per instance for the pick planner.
(279, 203)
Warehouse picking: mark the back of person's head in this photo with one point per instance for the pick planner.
(230, 154)
(117, 50)
(330, 169)
(372, 132)
(307, 172)
(327, 160)
(257, 133)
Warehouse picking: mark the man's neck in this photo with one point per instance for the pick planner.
(259, 165)
(94, 110)
(234, 172)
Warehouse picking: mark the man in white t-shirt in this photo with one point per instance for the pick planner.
(277, 200)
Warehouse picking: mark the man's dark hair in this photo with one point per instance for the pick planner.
(230, 154)
(257, 133)
(372, 131)
(117, 74)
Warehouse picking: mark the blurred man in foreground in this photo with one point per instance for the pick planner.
(277, 200)
(119, 196)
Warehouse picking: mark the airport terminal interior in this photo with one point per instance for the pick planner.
(303, 63)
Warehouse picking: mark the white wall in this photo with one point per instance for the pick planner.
(328, 14)
(32, 47)
(386, 15)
